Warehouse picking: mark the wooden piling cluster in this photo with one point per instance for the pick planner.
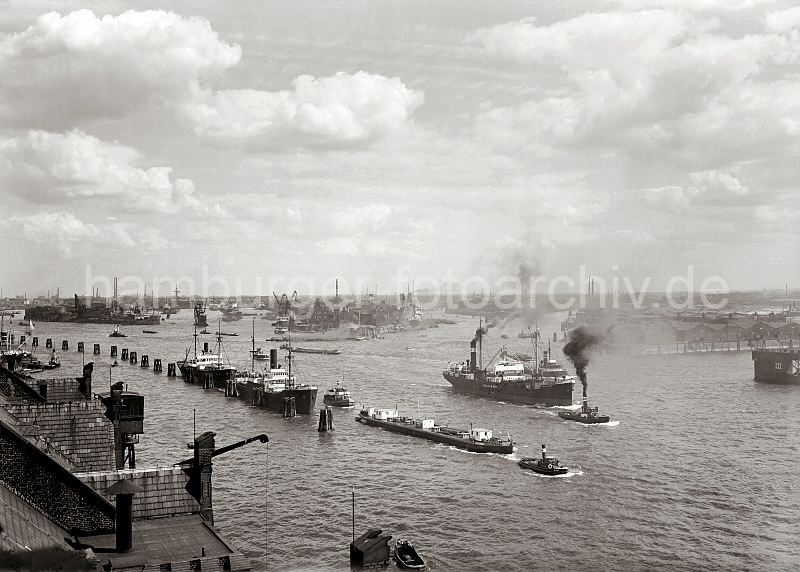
(325, 419)
(289, 407)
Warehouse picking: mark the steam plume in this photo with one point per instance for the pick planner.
(581, 341)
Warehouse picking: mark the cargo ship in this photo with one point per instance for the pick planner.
(475, 440)
(275, 386)
(778, 365)
(207, 368)
(103, 314)
(507, 378)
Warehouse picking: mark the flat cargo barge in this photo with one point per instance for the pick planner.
(475, 440)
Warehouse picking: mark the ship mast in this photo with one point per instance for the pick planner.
(291, 384)
(219, 343)
(195, 340)
(253, 353)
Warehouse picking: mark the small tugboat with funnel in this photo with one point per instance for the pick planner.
(587, 415)
(547, 465)
(581, 341)
(508, 378)
(117, 333)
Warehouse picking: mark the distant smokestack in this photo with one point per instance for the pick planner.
(337, 289)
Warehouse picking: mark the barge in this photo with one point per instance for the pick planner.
(475, 440)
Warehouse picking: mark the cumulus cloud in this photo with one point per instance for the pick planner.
(44, 167)
(72, 237)
(665, 83)
(64, 68)
(343, 107)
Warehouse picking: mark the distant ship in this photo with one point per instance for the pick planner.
(103, 314)
(778, 365)
(507, 378)
(200, 315)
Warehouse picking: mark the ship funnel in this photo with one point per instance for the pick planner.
(585, 404)
(273, 359)
(544, 453)
(205, 347)
(472, 355)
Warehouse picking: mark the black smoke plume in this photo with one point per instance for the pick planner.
(581, 340)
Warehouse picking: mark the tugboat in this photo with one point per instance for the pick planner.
(586, 415)
(544, 382)
(338, 397)
(407, 556)
(475, 440)
(116, 333)
(544, 466)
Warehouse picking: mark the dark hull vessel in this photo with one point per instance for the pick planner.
(777, 365)
(545, 465)
(524, 392)
(475, 440)
(305, 398)
(275, 388)
(510, 379)
(586, 415)
(89, 316)
(207, 377)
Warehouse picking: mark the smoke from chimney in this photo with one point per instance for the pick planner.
(580, 342)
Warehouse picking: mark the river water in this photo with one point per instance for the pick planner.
(698, 470)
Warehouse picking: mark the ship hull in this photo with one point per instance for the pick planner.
(461, 443)
(515, 392)
(48, 314)
(777, 366)
(207, 378)
(305, 398)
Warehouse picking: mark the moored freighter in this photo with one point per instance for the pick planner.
(778, 365)
(274, 387)
(545, 382)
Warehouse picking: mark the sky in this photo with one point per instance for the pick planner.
(286, 144)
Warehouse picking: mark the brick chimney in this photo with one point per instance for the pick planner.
(123, 492)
